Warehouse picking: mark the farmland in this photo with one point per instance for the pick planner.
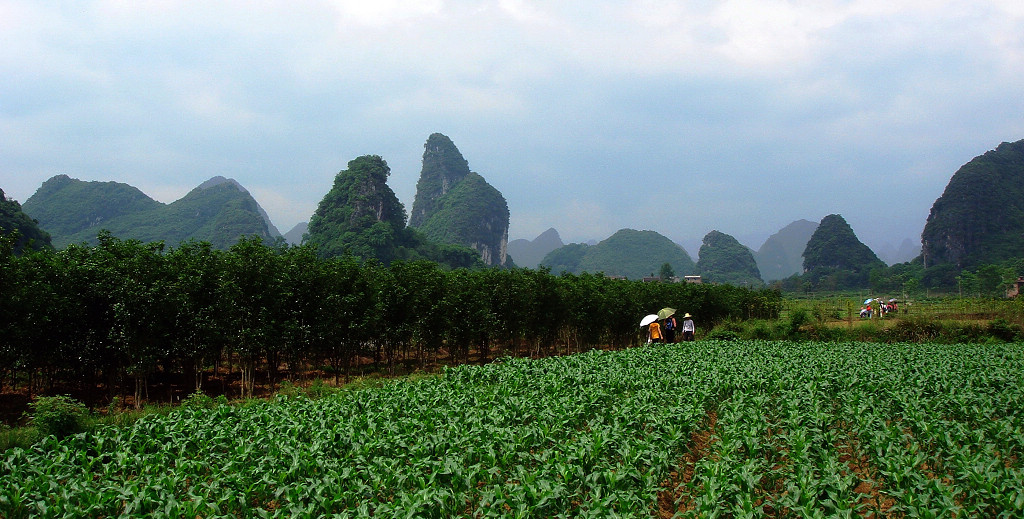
(733, 429)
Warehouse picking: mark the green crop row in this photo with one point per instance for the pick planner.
(789, 429)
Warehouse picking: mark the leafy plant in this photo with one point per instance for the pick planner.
(59, 415)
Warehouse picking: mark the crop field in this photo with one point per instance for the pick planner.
(705, 429)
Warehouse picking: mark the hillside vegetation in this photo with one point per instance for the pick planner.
(629, 253)
(14, 220)
(456, 206)
(979, 218)
(74, 211)
(722, 259)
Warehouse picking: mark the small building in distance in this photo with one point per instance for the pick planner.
(1015, 288)
(692, 279)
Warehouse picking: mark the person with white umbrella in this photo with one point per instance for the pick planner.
(653, 328)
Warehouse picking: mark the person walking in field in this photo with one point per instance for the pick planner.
(670, 329)
(688, 328)
(654, 333)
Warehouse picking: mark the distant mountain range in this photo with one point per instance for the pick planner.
(978, 220)
(219, 211)
(529, 253)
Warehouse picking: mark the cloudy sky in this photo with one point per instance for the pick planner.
(589, 116)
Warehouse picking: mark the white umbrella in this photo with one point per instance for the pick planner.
(648, 320)
(868, 301)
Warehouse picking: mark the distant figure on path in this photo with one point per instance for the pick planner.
(688, 328)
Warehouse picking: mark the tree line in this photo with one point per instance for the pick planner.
(120, 312)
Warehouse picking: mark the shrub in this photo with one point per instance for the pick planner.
(1004, 330)
(59, 415)
(198, 400)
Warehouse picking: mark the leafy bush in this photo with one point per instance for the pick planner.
(1005, 330)
(59, 415)
(199, 400)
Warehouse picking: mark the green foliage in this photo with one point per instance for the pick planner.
(592, 435)
(566, 258)
(199, 400)
(725, 260)
(360, 216)
(59, 415)
(26, 231)
(128, 310)
(979, 217)
(666, 273)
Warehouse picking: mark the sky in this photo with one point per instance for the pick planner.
(589, 116)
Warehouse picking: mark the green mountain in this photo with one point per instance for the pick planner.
(979, 218)
(361, 216)
(722, 259)
(274, 232)
(12, 219)
(529, 253)
(781, 255)
(629, 253)
(835, 258)
(456, 206)
(65, 206)
(219, 212)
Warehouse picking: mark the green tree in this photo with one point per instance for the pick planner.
(666, 273)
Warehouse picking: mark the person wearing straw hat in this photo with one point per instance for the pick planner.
(688, 328)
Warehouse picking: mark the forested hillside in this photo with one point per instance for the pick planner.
(14, 220)
(65, 206)
(456, 206)
(361, 217)
(219, 212)
(722, 259)
(836, 259)
(979, 218)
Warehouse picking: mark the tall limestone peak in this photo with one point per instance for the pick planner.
(834, 253)
(443, 167)
(360, 215)
(722, 259)
(456, 206)
(979, 218)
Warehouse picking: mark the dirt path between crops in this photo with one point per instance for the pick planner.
(677, 497)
